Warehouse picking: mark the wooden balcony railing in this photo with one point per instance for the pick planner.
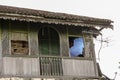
(51, 66)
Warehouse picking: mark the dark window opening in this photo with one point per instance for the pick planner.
(76, 45)
(19, 43)
(49, 41)
(19, 47)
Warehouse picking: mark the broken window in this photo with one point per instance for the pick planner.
(19, 43)
(76, 45)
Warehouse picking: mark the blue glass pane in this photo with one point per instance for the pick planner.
(77, 48)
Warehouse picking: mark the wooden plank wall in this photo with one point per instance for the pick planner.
(88, 46)
(19, 66)
(74, 31)
(5, 37)
(0, 49)
(50, 66)
(64, 47)
(81, 68)
(33, 39)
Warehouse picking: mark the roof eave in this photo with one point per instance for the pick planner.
(31, 18)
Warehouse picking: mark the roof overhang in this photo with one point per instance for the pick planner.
(30, 15)
(31, 18)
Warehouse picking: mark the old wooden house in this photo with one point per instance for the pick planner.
(42, 44)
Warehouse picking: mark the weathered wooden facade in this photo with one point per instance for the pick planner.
(36, 44)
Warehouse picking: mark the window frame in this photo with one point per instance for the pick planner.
(77, 36)
(27, 41)
(21, 28)
(50, 42)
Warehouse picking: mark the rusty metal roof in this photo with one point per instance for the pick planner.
(31, 15)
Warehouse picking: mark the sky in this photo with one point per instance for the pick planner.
(108, 9)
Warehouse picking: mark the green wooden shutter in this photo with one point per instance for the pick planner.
(49, 41)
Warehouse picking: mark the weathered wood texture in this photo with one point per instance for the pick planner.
(88, 46)
(83, 68)
(19, 66)
(64, 46)
(30, 67)
(77, 32)
(95, 62)
(33, 39)
(5, 37)
(0, 50)
(51, 66)
(19, 36)
(19, 31)
(17, 26)
(23, 66)
(74, 31)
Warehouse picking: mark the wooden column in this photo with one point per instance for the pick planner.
(63, 41)
(33, 39)
(88, 46)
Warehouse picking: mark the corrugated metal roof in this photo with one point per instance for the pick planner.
(31, 15)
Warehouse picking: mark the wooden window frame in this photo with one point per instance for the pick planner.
(83, 53)
(19, 46)
(49, 42)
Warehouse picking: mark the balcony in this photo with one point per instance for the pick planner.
(49, 67)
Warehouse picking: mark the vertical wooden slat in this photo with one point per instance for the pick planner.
(33, 37)
(88, 46)
(42, 63)
(73, 67)
(87, 49)
(61, 68)
(94, 59)
(45, 66)
(27, 67)
(67, 67)
(0, 49)
(50, 66)
(4, 66)
(56, 71)
(92, 70)
(19, 66)
(56, 66)
(13, 66)
(35, 71)
(9, 66)
(41, 66)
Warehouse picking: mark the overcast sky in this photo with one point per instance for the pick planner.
(109, 9)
